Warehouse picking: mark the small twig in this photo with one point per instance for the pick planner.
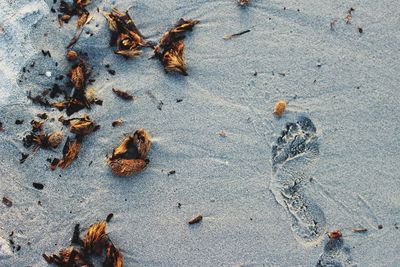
(229, 37)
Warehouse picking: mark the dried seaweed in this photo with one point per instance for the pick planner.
(122, 94)
(130, 156)
(68, 257)
(70, 152)
(170, 49)
(76, 8)
(95, 238)
(94, 243)
(124, 34)
(114, 257)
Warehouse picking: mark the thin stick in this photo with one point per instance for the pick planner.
(228, 37)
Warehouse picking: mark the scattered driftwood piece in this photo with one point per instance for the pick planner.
(122, 94)
(229, 37)
(6, 201)
(196, 219)
(23, 158)
(280, 108)
(334, 234)
(124, 34)
(170, 49)
(130, 156)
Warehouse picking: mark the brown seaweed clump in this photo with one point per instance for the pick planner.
(95, 242)
(170, 49)
(40, 139)
(114, 257)
(80, 127)
(95, 238)
(77, 8)
(68, 257)
(130, 156)
(124, 34)
(79, 97)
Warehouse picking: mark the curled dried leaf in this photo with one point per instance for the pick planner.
(114, 257)
(95, 238)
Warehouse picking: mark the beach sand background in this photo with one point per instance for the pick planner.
(345, 82)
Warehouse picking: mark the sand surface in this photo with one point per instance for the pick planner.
(267, 197)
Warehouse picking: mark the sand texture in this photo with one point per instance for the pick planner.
(268, 188)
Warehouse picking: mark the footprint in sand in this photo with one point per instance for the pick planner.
(292, 156)
(336, 254)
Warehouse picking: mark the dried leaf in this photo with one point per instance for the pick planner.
(95, 238)
(70, 152)
(122, 94)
